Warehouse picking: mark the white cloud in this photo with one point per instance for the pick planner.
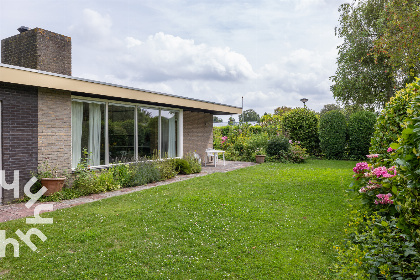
(166, 57)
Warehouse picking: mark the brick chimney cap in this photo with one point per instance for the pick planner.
(23, 29)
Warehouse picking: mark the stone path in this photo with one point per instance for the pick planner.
(19, 210)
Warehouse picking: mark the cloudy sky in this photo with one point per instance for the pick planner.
(271, 52)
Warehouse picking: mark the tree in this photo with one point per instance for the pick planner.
(362, 79)
(249, 116)
(401, 38)
(217, 119)
(330, 107)
(282, 110)
(231, 121)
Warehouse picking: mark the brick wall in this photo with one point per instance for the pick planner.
(19, 129)
(38, 49)
(54, 128)
(198, 132)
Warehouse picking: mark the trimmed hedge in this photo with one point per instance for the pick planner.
(390, 123)
(301, 124)
(360, 130)
(332, 134)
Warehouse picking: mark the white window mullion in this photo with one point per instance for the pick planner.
(106, 135)
(136, 136)
(180, 140)
(160, 135)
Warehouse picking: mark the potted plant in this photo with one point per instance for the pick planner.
(259, 156)
(50, 178)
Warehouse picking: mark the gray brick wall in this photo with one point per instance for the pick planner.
(19, 129)
(38, 49)
(54, 128)
(198, 132)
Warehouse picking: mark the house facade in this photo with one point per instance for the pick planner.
(47, 114)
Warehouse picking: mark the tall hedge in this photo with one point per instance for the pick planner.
(360, 130)
(301, 124)
(390, 123)
(332, 134)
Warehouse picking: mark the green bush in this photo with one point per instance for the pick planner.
(193, 162)
(122, 174)
(332, 134)
(144, 172)
(167, 169)
(360, 130)
(390, 122)
(182, 166)
(278, 147)
(301, 124)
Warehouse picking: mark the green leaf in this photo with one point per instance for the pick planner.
(394, 190)
(383, 223)
(395, 146)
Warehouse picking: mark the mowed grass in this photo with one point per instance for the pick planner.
(271, 221)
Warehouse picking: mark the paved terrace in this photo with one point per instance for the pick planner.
(19, 210)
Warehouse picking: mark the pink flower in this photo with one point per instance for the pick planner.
(390, 150)
(290, 141)
(384, 199)
(224, 138)
(382, 171)
(372, 156)
(370, 186)
(361, 166)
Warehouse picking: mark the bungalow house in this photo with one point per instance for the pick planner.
(45, 113)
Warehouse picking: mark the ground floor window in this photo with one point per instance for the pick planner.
(113, 132)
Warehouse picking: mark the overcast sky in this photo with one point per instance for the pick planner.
(271, 52)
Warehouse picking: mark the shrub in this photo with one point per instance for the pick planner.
(301, 124)
(332, 134)
(278, 147)
(390, 122)
(297, 154)
(182, 166)
(122, 174)
(167, 169)
(360, 130)
(144, 172)
(193, 162)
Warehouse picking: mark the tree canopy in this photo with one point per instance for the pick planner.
(249, 116)
(361, 78)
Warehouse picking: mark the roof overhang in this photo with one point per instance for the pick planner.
(78, 86)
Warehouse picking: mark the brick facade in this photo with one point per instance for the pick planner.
(19, 129)
(38, 49)
(54, 128)
(198, 132)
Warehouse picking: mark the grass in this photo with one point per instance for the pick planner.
(271, 221)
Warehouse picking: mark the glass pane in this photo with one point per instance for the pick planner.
(94, 132)
(121, 133)
(169, 122)
(147, 131)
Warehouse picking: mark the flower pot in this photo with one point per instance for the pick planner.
(53, 185)
(259, 158)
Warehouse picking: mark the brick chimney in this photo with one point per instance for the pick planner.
(38, 49)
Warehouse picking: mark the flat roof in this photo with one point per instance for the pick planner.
(84, 87)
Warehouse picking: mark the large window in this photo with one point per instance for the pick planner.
(114, 132)
(148, 132)
(88, 133)
(121, 133)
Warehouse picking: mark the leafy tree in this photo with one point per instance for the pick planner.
(231, 121)
(282, 110)
(401, 38)
(249, 116)
(361, 78)
(330, 107)
(217, 119)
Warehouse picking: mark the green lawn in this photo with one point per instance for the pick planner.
(271, 221)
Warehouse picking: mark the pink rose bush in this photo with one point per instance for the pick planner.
(384, 199)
